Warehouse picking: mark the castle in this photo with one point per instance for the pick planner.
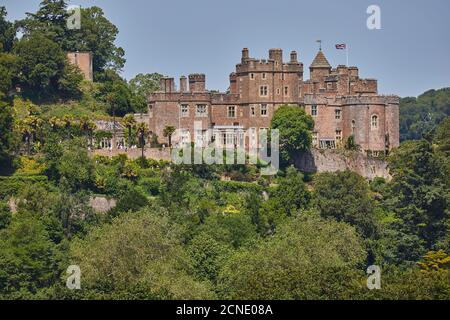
(341, 103)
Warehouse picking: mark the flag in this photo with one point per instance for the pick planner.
(341, 46)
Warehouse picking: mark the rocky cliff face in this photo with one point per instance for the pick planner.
(340, 160)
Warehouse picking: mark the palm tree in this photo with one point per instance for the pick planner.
(142, 131)
(168, 132)
(129, 122)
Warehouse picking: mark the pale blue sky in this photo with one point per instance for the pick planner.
(408, 56)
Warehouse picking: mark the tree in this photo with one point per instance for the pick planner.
(291, 195)
(8, 71)
(28, 259)
(345, 196)
(97, 35)
(5, 215)
(6, 128)
(141, 86)
(76, 166)
(129, 123)
(295, 128)
(7, 32)
(419, 116)
(43, 68)
(308, 258)
(49, 21)
(208, 256)
(137, 256)
(418, 194)
(142, 132)
(168, 132)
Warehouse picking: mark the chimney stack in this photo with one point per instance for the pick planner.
(183, 84)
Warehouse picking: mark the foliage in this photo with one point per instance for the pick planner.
(307, 259)
(295, 128)
(141, 86)
(344, 196)
(137, 251)
(419, 116)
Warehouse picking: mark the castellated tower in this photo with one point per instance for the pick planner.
(341, 103)
(83, 60)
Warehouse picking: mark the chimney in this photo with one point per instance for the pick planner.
(183, 84)
(294, 57)
(197, 82)
(167, 85)
(233, 83)
(276, 55)
(244, 54)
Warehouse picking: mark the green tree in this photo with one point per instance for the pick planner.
(168, 132)
(418, 193)
(5, 215)
(295, 127)
(28, 259)
(130, 123)
(76, 166)
(6, 131)
(97, 35)
(345, 196)
(137, 256)
(308, 258)
(8, 71)
(43, 68)
(7, 32)
(291, 195)
(142, 132)
(141, 86)
(208, 256)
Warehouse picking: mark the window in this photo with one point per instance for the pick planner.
(264, 76)
(353, 126)
(263, 91)
(329, 85)
(337, 114)
(286, 90)
(264, 109)
(231, 112)
(252, 111)
(201, 110)
(374, 122)
(314, 110)
(338, 136)
(184, 110)
(252, 76)
(278, 90)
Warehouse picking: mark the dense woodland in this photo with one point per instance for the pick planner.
(200, 231)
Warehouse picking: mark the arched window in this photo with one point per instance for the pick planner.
(374, 122)
(353, 126)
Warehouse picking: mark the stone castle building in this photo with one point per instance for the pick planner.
(341, 103)
(83, 60)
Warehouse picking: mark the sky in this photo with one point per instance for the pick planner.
(409, 55)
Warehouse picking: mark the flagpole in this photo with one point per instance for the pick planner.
(346, 51)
